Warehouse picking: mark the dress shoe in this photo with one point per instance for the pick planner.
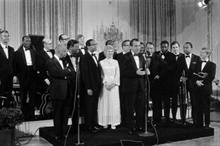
(113, 127)
(92, 130)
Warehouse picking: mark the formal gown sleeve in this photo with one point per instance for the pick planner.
(117, 74)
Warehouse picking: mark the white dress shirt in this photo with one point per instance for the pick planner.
(5, 49)
(73, 60)
(27, 54)
(136, 59)
(203, 64)
(60, 61)
(49, 53)
(188, 60)
(95, 58)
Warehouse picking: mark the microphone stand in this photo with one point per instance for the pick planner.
(146, 133)
(78, 101)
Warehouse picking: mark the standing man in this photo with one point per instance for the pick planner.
(203, 77)
(6, 67)
(72, 60)
(91, 77)
(188, 64)
(58, 89)
(175, 48)
(121, 59)
(26, 71)
(44, 55)
(80, 38)
(165, 76)
(134, 72)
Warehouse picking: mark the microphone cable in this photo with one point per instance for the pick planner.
(150, 108)
(74, 103)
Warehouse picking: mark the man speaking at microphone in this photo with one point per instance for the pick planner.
(72, 59)
(59, 73)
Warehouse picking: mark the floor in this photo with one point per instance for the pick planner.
(32, 129)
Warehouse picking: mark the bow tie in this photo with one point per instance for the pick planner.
(204, 61)
(187, 56)
(135, 54)
(93, 54)
(27, 49)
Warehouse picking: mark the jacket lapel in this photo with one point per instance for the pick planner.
(2, 51)
(132, 60)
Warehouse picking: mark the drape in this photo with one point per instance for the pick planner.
(51, 18)
(153, 20)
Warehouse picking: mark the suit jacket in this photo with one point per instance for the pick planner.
(42, 60)
(188, 72)
(58, 79)
(210, 69)
(71, 79)
(91, 74)
(163, 64)
(129, 72)
(20, 64)
(6, 69)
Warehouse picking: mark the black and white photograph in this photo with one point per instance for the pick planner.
(109, 72)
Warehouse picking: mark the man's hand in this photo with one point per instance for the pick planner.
(199, 83)
(89, 92)
(156, 77)
(183, 79)
(47, 81)
(140, 72)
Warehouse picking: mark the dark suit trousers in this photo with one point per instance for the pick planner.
(134, 103)
(156, 99)
(60, 116)
(28, 89)
(202, 108)
(91, 104)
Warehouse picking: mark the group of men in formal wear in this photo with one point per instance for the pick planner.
(71, 71)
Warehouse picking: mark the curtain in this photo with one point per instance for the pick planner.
(51, 18)
(153, 20)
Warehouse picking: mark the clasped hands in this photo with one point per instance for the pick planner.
(109, 86)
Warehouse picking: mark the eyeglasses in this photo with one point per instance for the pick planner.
(93, 44)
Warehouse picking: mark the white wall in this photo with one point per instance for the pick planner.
(192, 26)
(13, 20)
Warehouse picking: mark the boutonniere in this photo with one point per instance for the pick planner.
(162, 57)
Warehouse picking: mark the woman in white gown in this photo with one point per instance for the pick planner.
(109, 104)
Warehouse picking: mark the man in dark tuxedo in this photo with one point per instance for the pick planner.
(121, 59)
(72, 60)
(59, 72)
(153, 63)
(80, 38)
(133, 87)
(203, 76)
(91, 77)
(175, 48)
(42, 77)
(187, 66)
(165, 76)
(26, 71)
(6, 67)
